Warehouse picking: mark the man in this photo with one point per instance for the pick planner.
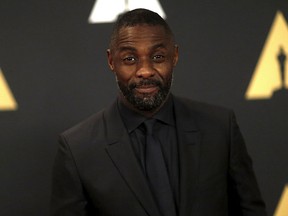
(191, 161)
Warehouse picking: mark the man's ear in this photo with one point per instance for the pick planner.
(176, 55)
(110, 59)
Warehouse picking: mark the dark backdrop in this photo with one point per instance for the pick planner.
(55, 64)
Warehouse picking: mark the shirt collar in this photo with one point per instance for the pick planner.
(133, 119)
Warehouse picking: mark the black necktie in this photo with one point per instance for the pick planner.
(156, 172)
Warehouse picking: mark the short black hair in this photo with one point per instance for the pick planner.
(136, 17)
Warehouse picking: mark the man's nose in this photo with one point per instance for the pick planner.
(145, 69)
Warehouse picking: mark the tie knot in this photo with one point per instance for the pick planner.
(149, 124)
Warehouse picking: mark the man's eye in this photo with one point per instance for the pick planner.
(129, 60)
(158, 58)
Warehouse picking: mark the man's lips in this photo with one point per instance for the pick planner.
(146, 89)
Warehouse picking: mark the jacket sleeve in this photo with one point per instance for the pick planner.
(67, 198)
(245, 198)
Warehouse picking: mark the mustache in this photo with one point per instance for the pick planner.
(146, 82)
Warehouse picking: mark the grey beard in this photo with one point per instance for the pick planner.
(146, 102)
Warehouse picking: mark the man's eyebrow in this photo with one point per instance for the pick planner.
(126, 48)
(160, 45)
(133, 49)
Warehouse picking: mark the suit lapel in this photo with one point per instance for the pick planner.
(121, 153)
(189, 138)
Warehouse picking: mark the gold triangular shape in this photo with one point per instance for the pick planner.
(7, 100)
(282, 208)
(267, 75)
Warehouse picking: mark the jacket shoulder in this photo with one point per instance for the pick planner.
(83, 131)
(86, 124)
(203, 115)
(202, 108)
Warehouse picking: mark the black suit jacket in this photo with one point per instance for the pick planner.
(97, 173)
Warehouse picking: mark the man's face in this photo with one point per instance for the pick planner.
(142, 59)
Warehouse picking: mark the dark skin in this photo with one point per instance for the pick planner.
(143, 52)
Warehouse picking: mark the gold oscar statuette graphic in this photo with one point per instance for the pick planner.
(102, 12)
(270, 74)
(282, 208)
(7, 100)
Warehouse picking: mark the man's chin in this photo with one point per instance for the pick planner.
(146, 102)
(145, 97)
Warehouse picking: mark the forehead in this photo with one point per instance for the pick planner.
(142, 34)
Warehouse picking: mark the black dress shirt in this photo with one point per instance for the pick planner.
(164, 131)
